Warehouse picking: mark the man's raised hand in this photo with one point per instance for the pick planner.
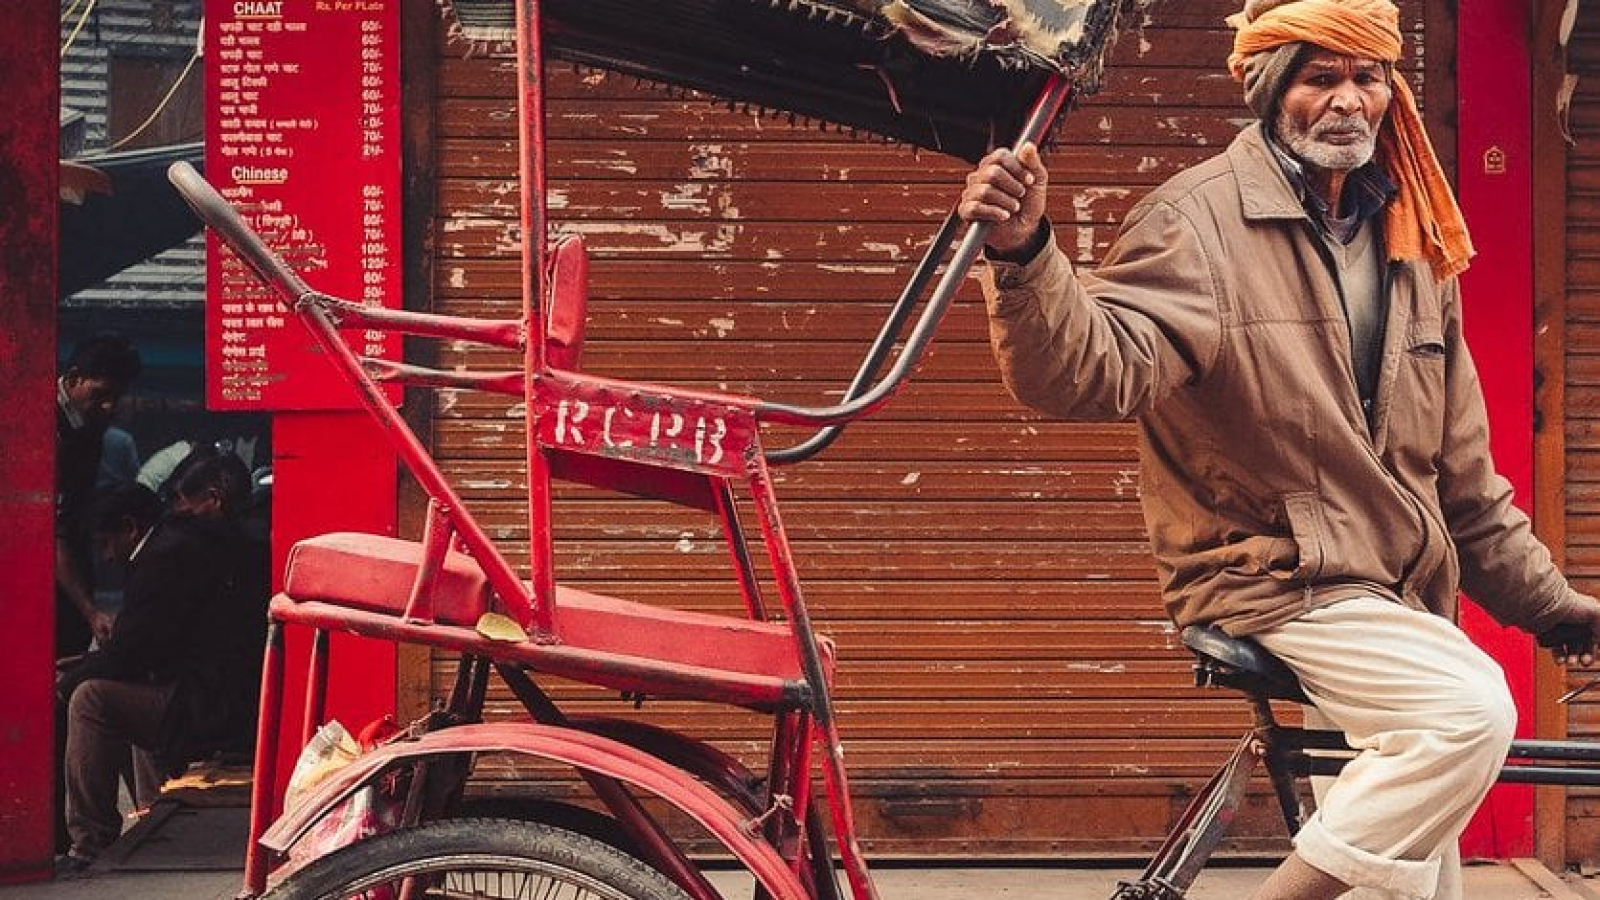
(1007, 189)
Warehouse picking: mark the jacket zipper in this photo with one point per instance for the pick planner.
(1369, 407)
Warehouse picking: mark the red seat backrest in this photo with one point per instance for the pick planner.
(567, 274)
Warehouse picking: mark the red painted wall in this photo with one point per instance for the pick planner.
(29, 194)
(332, 471)
(1493, 85)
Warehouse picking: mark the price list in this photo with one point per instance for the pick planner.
(302, 136)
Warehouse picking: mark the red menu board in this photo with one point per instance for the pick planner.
(302, 134)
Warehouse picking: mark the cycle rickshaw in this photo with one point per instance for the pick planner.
(951, 75)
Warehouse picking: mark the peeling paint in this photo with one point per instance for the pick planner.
(709, 161)
(685, 543)
(1083, 203)
(694, 240)
(892, 251)
(722, 325)
(857, 269)
(1107, 668)
(618, 163)
(911, 478)
(458, 277)
(1126, 481)
(687, 197)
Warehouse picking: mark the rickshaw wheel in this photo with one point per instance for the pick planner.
(482, 859)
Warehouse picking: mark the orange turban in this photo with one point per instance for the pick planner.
(1423, 221)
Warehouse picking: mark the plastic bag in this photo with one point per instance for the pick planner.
(329, 750)
(368, 812)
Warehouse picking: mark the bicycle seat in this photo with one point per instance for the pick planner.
(1240, 663)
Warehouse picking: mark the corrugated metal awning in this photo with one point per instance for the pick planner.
(140, 216)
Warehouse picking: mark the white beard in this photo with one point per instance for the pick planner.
(1309, 144)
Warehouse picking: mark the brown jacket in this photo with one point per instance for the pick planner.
(1215, 322)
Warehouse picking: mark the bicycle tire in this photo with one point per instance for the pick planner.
(478, 858)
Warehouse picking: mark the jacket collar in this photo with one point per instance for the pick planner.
(65, 407)
(1367, 188)
(1264, 189)
(1272, 183)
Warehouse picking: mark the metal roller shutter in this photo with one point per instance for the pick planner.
(1580, 412)
(1008, 683)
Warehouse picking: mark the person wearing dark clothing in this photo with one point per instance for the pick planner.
(96, 375)
(178, 676)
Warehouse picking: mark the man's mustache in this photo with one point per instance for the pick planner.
(1333, 124)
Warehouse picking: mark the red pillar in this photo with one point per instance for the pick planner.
(30, 170)
(332, 471)
(1496, 190)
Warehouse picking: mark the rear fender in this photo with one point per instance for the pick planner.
(586, 752)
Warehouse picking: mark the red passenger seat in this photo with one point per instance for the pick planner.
(375, 573)
(631, 646)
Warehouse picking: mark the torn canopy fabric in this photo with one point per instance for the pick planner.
(955, 76)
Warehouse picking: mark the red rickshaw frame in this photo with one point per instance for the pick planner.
(609, 433)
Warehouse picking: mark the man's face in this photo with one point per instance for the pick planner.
(116, 545)
(207, 504)
(93, 398)
(1331, 110)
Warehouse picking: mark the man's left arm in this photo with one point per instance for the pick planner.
(1505, 568)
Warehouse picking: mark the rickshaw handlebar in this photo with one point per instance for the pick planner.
(221, 217)
(861, 399)
(862, 396)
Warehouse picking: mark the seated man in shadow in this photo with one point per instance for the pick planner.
(179, 675)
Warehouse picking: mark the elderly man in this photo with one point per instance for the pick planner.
(1284, 322)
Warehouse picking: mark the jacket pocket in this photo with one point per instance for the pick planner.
(1304, 510)
(1425, 344)
(1417, 414)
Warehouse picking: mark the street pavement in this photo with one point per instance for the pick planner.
(196, 854)
(1483, 882)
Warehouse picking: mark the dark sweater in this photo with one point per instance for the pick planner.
(193, 615)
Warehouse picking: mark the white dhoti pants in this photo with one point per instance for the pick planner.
(1431, 717)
